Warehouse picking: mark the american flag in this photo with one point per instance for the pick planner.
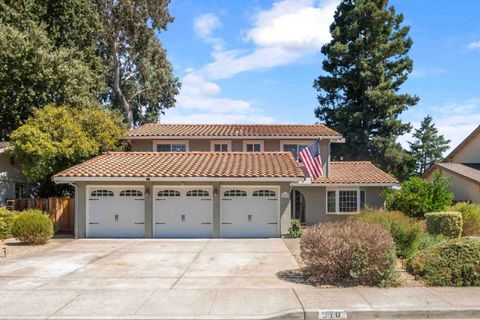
(310, 157)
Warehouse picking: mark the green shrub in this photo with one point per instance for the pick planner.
(32, 227)
(418, 196)
(295, 230)
(448, 224)
(405, 231)
(428, 240)
(6, 221)
(349, 252)
(455, 262)
(471, 217)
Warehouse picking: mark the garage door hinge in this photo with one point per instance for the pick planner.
(160, 223)
(93, 223)
(272, 223)
(206, 223)
(226, 223)
(139, 222)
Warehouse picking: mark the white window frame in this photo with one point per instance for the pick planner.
(337, 200)
(170, 142)
(297, 142)
(227, 142)
(260, 142)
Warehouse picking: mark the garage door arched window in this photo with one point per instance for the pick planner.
(131, 193)
(264, 193)
(168, 193)
(102, 193)
(235, 193)
(198, 193)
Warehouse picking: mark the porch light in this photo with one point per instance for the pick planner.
(147, 192)
(215, 192)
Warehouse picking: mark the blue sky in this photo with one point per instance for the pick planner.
(254, 61)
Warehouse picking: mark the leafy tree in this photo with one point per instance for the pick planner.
(428, 146)
(48, 56)
(417, 196)
(56, 138)
(141, 78)
(366, 63)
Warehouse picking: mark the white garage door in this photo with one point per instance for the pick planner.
(183, 212)
(250, 212)
(116, 212)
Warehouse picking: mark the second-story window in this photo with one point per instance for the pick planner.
(294, 149)
(171, 147)
(254, 147)
(220, 147)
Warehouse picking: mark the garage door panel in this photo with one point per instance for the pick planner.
(249, 212)
(183, 212)
(116, 212)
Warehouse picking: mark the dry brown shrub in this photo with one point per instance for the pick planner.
(349, 252)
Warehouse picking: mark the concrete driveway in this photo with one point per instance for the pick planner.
(150, 278)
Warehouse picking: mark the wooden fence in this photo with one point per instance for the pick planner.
(60, 209)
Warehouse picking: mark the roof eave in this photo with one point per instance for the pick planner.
(63, 180)
(324, 137)
(352, 184)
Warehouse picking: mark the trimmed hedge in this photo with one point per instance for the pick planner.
(448, 224)
(349, 252)
(6, 221)
(32, 227)
(471, 217)
(406, 232)
(455, 262)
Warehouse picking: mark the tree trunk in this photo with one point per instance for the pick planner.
(116, 86)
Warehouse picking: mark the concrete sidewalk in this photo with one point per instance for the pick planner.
(354, 303)
(198, 279)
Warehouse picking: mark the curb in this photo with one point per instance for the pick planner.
(394, 314)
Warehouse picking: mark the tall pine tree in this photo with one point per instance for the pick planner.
(428, 146)
(365, 64)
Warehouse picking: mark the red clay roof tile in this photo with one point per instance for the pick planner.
(231, 130)
(187, 164)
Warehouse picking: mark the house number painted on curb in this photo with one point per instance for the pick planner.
(332, 314)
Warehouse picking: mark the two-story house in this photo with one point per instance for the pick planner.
(217, 181)
(462, 168)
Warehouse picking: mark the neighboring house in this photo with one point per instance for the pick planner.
(462, 168)
(217, 181)
(12, 182)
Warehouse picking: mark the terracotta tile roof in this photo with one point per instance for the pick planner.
(231, 130)
(187, 164)
(470, 171)
(356, 172)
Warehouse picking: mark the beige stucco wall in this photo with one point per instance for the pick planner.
(81, 204)
(470, 153)
(316, 208)
(462, 188)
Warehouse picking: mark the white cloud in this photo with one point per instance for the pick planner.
(474, 45)
(455, 121)
(200, 101)
(283, 34)
(420, 73)
(204, 26)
